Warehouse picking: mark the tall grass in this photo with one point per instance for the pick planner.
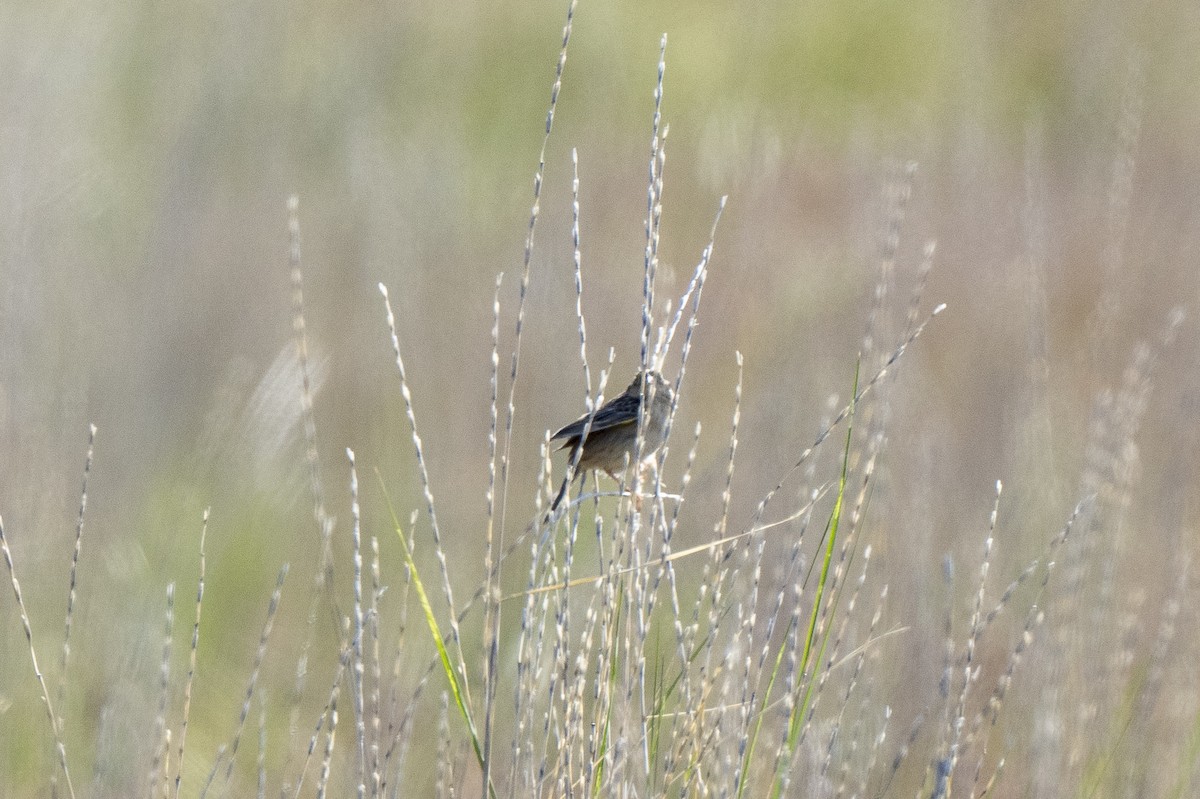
(628, 645)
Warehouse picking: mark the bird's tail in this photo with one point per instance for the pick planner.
(562, 492)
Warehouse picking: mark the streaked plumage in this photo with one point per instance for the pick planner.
(613, 429)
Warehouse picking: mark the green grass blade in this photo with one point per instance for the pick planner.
(800, 708)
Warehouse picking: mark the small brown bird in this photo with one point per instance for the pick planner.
(612, 432)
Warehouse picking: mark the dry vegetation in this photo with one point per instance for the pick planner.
(922, 526)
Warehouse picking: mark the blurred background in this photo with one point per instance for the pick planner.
(147, 152)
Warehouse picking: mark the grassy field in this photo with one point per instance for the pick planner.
(297, 293)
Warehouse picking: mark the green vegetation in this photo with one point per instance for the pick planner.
(909, 260)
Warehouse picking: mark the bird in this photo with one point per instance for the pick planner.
(612, 431)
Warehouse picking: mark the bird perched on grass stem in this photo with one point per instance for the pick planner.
(612, 431)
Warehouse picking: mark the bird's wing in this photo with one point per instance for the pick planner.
(621, 410)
